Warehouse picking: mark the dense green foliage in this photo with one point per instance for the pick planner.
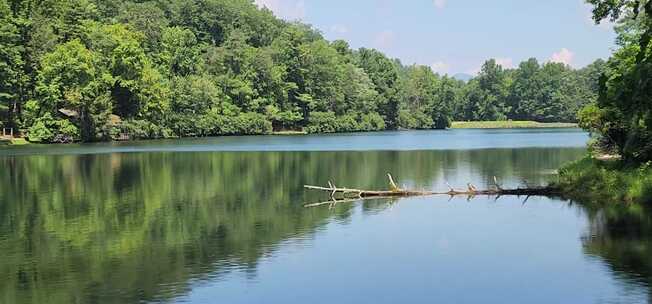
(603, 181)
(549, 92)
(622, 115)
(99, 70)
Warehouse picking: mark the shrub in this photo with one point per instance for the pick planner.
(322, 122)
(406, 120)
(607, 181)
(49, 130)
(249, 123)
(39, 132)
(252, 123)
(141, 129)
(415, 120)
(66, 132)
(67, 129)
(347, 123)
(372, 122)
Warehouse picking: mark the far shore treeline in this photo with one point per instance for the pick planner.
(89, 70)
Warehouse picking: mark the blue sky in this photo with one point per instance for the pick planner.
(456, 36)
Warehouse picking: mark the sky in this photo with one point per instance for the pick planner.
(457, 36)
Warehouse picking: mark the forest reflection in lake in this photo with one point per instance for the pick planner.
(230, 227)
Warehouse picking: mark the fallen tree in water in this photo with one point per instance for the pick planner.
(346, 195)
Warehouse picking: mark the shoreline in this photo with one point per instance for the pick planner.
(458, 125)
(606, 180)
(515, 124)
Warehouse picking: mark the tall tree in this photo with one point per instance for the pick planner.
(11, 65)
(384, 75)
(486, 95)
(623, 113)
(70, 84)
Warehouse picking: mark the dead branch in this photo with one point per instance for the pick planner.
(346, 195)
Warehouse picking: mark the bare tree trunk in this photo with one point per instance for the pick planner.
(341, 195)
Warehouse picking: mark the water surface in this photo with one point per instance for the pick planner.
(222, 221)
(463, 139)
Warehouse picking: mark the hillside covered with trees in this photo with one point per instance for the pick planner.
(89, 70)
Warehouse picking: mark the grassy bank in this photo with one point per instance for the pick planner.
(13, 142)
(607, 181)
(289, 133)
(508, 125)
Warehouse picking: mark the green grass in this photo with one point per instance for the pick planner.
(13, 142)
(19, 142)
(508, 125)
(606, 181)
(290, 133)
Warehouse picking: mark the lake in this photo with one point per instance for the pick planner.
(222, 220)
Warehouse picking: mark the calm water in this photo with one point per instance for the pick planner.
(222, 221)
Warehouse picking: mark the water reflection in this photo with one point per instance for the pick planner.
(148, 226)
(621, 236)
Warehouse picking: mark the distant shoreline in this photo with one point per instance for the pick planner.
(509, 125)
(521, 124)
(455, 125)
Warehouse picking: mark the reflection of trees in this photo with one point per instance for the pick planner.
(80, 228)
(621, 235)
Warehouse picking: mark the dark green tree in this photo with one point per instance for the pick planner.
(384, 75)
(623, 113)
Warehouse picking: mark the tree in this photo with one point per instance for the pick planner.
(525, 91)
(384, 75)
(323, 78)
(192, 98)
(486, 96)
(70, 85)
(180, 52)
(92, 70)
(550, 105)
(147, 18)
(359, 91)
(419, 94)
(493, 81)
(286, 53)
(11, 64)
(448, 95)
(124, 61)
(623, 113)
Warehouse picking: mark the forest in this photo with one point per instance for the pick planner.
(91, 70)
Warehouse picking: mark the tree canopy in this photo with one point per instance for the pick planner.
(622, 115)
(88, 70)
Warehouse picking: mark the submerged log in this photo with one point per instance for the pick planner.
(346, 195)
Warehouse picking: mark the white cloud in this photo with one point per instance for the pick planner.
(506, 63)
(440, 4)
(286, 9)
(440, 67)
(339, 29)
(564, 56)
(385, 39)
